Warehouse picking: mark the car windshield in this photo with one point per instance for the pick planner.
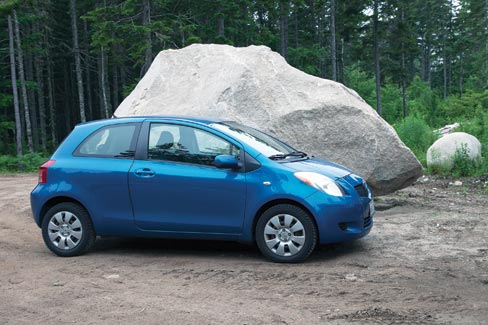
(267, 145)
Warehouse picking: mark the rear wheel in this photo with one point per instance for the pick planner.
(286, 233)
(67, 230)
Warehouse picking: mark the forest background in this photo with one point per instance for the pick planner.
(421, 64)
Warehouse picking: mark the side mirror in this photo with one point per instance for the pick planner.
(226, 162)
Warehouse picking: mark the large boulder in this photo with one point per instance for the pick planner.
(256, 86)
(442, 152)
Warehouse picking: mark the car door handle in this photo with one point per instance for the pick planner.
(144, 172)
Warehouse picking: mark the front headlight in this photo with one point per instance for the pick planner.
(320, 182)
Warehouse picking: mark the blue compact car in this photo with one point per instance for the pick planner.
(192, 178)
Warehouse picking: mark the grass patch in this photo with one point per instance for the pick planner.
(27, 164)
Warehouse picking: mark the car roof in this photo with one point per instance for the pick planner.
(200, 120)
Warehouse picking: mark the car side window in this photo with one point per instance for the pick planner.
(187, 145)
(111, 141)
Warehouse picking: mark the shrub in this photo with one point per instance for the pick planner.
(462, 164)
(28, 163)
(422, 101)
(362, 83)
(416, 135)
(391, 103)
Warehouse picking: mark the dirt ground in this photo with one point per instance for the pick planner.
(424, 262)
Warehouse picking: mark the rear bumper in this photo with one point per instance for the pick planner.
(36, 204)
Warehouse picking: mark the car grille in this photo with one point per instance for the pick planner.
(367, 220)
(362, 190)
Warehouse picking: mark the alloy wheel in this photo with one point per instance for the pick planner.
(284, 235)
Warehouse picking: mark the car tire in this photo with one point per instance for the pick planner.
(68, 230)
(286, 233)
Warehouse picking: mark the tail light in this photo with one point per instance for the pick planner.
(43, 171)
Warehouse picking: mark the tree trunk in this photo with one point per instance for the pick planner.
(40, 100)
(220, 22)
(333, 46)
(146, 21)
(449, 74)
(25, 102)
(68, 98)
(320, 39)
(89, 96)
(115, 85)
(444, 74)
(29, 73)
(99, 91)
(13, 72)
(461, 72)
(404, 93)
(340, 61)
(411, 67)
(40, 64)
(284, 29)
(295, 20)
(486, 45)
(221, 27)
(76, 52)
(377, 70)
(403, 76)
(103, 80)
(426, 62)
(50, 94)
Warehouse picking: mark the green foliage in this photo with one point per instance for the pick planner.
(306, 59)
(361, 82)
(29, 162)
(422, 101)
(466, 106)
(6, 100)
(392, 103)
(477, 126)
(7, 6)
(462, 164)
(6, 132)
(416, 135)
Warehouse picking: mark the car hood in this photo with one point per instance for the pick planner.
(320, 166)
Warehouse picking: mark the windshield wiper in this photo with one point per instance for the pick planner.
(281, 156)
(125, 154)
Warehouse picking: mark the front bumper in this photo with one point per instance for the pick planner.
(343, 218)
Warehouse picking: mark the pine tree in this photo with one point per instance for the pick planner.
(13, 72)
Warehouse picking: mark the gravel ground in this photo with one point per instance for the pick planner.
(424, 262)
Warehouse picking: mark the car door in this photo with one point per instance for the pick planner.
(97, 172)
(176, 187)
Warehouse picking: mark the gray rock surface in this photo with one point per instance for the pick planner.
(441, 153)
(256, 86)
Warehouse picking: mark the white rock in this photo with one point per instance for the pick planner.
(447, 129)
(442, 152)
(458, 183)
(256, 86)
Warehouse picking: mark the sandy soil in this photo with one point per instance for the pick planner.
(425, 262)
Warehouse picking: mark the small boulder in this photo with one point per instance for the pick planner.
(443, 151)
(257, 87)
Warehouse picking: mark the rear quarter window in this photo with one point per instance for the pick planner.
(111, 141)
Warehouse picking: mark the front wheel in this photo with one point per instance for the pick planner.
(67, 230)
(286, 234)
